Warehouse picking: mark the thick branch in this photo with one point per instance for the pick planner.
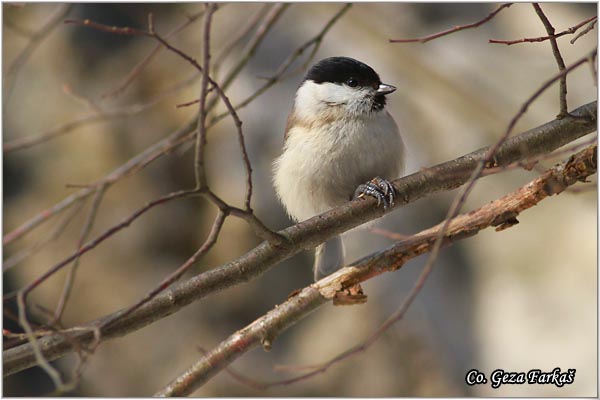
(307, 234)
(501, 213)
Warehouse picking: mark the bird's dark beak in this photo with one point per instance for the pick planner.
(385, 89)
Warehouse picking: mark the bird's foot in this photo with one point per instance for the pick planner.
(379, 188)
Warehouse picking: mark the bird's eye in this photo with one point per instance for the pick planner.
(352, 82)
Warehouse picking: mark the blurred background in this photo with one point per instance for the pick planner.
(519, 299)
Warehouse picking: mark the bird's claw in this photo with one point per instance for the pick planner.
(381, 189)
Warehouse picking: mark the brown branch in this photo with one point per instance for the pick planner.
(446, 176)
(441, 234)
(245, 157)
(585, 31)
(274, 14)
(202, 115)
(200, 171)
(460, 199)
(201, 187)
(559, 60)
(425, 39)
(284, 66)
(569, 31)
(211, 239)
(55, 234)
(202, 127)
(37, 351)
(157, 150)
(201, 184)
(139, 67)
(501, 214)
(70, 279)
(105, 235)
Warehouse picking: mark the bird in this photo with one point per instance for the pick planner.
(340, 143)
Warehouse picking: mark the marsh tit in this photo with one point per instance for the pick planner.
(340, 143)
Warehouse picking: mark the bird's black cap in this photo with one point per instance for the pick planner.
(340, 70)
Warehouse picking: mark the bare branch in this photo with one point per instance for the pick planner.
(500, 213)
(139, 67)
(39, 357)
(175, 275)
(446, 176)
(425, 39)
(56, 232)
(201, 132)
(460, 199)
(284, 66)
(70, 280)
(136, 163)
(108, 233)
(200, 171)
(559, 60)
(585, 31)
(569, 31)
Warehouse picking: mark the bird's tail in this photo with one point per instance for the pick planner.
(329, 257)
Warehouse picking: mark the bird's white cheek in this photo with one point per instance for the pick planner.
(327, 101)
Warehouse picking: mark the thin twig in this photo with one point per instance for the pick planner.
(137, 162)
(283, 67)
(569, 31)
(139, 67)
(70, 279)
(175, 275)
(259, 227)
(105, 235)
(270, 20)
(425, 39)
(87, 101)
(585, 31)
(199, 169)
(317, 40)
(564, 110)
(245, 157)
(39, 357)
(55, 234)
